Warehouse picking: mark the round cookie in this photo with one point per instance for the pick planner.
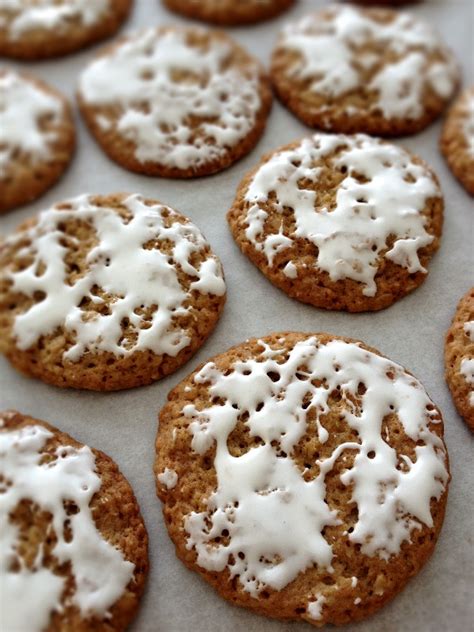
(107, 292)
(377, 71)
(38, 29)
(303, 476)
(229, 12)
(74, 548)
(175, 102)
(459, 358)
(37, 138)
(340, 222)
(457, 139)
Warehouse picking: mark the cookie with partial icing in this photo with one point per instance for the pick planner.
(37, 138)
(457, 139)
(107, 292)
(377, 71)
(74, 548)
(229, 12)
(340, 222)
(175, 102)
(37, 29)
(303, 476)
(459, 358)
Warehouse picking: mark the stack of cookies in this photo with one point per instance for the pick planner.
(303, 475)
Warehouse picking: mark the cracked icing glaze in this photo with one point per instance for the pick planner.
(23, 106)
(351, 238)
(142, 76)
(168, 478)
(21, 16)
(137, 278)
(265, 487)
(315, 608)
(467, 364)
(331, 57)
(32, 594)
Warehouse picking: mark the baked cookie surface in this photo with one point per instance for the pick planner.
(377, 71)
(37, 29)
(303, 476)
(229, 12)
(382, 2)
(37, 138)
(74, 548)
(340, 222)
(459, 358)
(457, 139)
(107, 292)
(175, 101)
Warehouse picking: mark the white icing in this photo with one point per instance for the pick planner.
(273, 516)
(30, 595)
(469, 329)
(21, 16)
(352, 237)
(168, 477)
(23, 106)
(467, 370)
(142, 72)
(290, 270)
(354, 581)
(329, 55)
(315, 608)
(357, 601)
(467, 364)
(122, 267)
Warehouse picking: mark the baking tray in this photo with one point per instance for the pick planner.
(410, 332)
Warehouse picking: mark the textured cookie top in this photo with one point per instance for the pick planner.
(467, 113)
(229, 12)
(459, 357)
(366, 63)
(467, 363)
(30, 118)
(183, 97)
(18, 17)
(60, 483)
(462, 122)
(314, 453)
(358, 201)
(119, 275)
(457, 139)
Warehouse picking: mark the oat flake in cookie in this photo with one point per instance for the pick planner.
(175, 101)
(36, 29)
(363, 70)
(73, 546)
(229, 12)
(457, 139)
(107, 292)
(36, 138)
(340, 222)
(459, 358)
(303, 476)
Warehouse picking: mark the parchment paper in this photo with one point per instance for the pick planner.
(410, 332)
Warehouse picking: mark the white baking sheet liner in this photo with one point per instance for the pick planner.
(410, 332)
